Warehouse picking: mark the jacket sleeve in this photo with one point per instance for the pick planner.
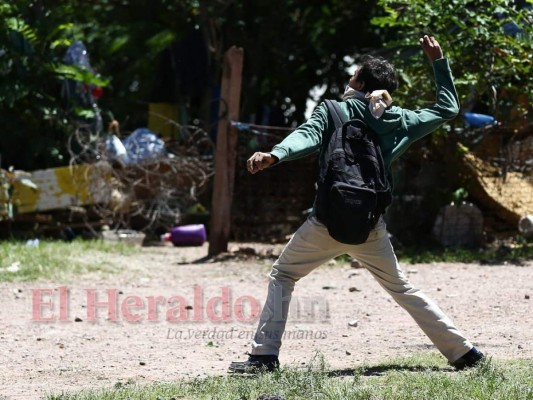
(417, 124)
(306, 139)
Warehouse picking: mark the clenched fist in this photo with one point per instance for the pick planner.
(259, 161)
(431, 47)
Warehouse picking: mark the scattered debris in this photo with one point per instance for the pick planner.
(353, 323)
(32, 243)
(525, 226)
(127, 236)
(354, 289)
(15, 267)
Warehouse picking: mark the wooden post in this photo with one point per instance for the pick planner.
(226, 152)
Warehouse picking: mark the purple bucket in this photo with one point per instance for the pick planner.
(188, 235)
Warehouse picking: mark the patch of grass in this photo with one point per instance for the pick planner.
(516, 254)
(54, 259)
(418, 377)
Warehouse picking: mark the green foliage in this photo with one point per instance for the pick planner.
(498, 66)
(289, 45)
(35, 127)
(128, 42)
(417, 377)
(459, 195)
(517, 253)
(33, 39)
(79, 74)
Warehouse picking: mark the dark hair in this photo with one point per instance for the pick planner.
(377, 73)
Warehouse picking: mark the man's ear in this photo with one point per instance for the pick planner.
(360, 85)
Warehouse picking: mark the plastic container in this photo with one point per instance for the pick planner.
(188, 235)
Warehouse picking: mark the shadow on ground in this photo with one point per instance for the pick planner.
(380, 370)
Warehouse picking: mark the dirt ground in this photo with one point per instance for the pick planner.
(491, 304)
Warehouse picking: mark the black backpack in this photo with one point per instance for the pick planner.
(353, 189)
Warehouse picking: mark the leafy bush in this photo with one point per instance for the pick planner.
(490, 44)
(33, 119)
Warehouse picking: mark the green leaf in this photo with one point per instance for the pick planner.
(388, 20)
(79, 74)
(118, 43)
(62, 42)
(161, 41)
(58, 29)
(462, 148)
(84, 113)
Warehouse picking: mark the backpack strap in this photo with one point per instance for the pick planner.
(339, 117)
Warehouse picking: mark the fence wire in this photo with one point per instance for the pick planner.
(146, 195)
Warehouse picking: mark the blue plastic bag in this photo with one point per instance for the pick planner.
(478, 120)
(144, 145)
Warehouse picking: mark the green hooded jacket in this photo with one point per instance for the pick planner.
(397, 128)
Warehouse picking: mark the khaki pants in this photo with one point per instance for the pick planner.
(312, 246)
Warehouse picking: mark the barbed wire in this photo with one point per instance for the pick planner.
(154, 193)
(149, 194)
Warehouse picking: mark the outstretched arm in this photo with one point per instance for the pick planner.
(419, 123)
(305, 140)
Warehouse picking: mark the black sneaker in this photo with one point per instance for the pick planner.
(469, 360)
(255, 364)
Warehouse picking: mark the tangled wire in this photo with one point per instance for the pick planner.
(150, 194)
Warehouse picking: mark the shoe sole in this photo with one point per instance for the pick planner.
(249, 370)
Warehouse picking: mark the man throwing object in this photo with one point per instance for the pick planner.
(367, 98)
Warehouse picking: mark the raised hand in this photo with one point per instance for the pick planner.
(431, 47)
